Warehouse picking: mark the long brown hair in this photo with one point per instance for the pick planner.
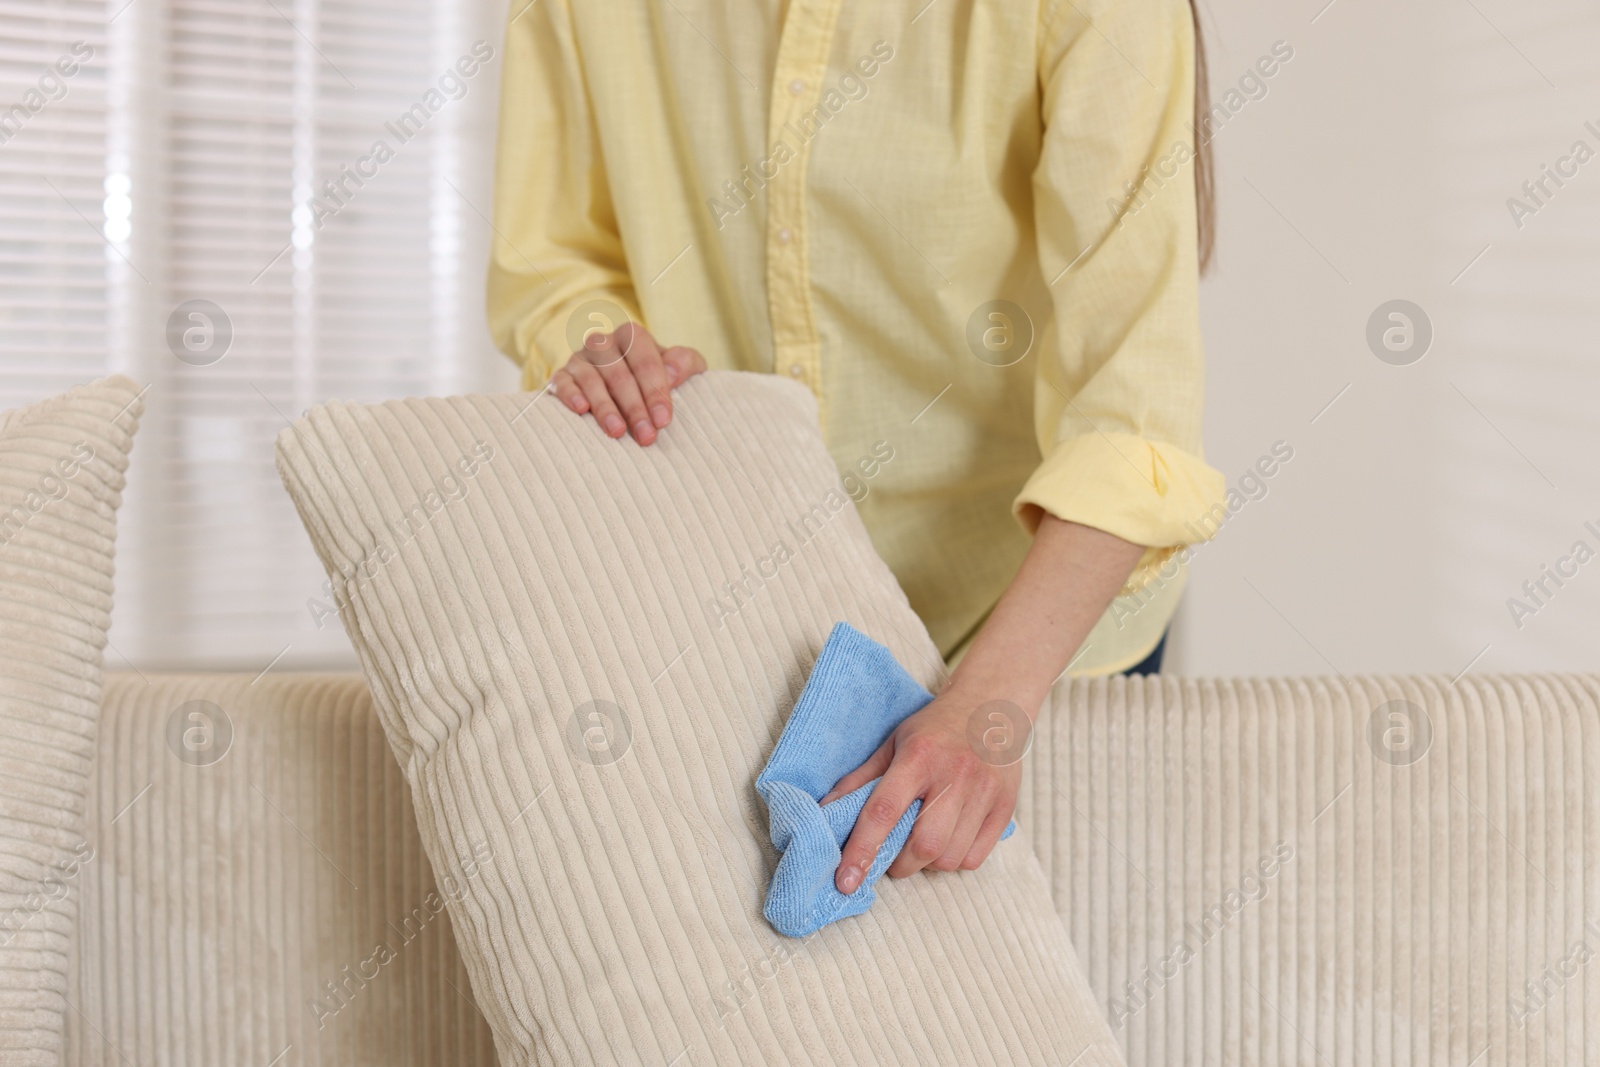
(1205, 193)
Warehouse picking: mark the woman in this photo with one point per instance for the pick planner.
(970, 227)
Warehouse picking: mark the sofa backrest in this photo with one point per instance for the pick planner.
(1316, 871)
(1332, 871)
(257, 893)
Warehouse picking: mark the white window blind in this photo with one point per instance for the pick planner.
(235, 202)
(53, 296)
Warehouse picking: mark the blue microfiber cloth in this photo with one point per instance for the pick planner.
(856, 695)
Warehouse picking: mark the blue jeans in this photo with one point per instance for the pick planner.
(1151, 664)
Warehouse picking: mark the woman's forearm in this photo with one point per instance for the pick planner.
(1070, 575)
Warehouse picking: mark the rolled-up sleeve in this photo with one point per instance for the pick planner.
(556, 245)
(1120, 386)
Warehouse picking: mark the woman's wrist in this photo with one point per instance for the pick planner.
(1001, 677)
(1070, 575)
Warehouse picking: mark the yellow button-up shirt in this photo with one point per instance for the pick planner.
(968, 227)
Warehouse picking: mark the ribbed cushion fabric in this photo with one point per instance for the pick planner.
(259, 894)
(62, 465)
(582, 652)
(1303, 871)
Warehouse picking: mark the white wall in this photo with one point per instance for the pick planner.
(1378, 167)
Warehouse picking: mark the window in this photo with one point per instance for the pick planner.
(279, 202)
(53, 303)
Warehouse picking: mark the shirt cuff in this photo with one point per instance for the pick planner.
(1145, 492)
(547, 349)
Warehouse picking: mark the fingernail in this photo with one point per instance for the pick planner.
(643, 431)
(659, 414)
(849, 880)
(672, 374)
(615, 425)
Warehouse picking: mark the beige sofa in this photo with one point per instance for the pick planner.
(1254, 872)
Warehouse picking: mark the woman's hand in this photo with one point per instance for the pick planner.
(968, 790)
(962, 754)
(624, 379)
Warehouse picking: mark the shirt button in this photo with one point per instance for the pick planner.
(784, 235)
(797, 87)
(796, 370)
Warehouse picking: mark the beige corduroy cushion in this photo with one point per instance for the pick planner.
(259, 895)
(1303, 871)
(62, 465)
(582, 652)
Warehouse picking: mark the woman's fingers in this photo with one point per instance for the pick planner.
(931, 833)
(900, 785)
(994, 824)
(876, 764)
(644, 359)
(598, 394)
(567, 391)
(973, 815)
(681, 363)
(626, 380)
(635, 344)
